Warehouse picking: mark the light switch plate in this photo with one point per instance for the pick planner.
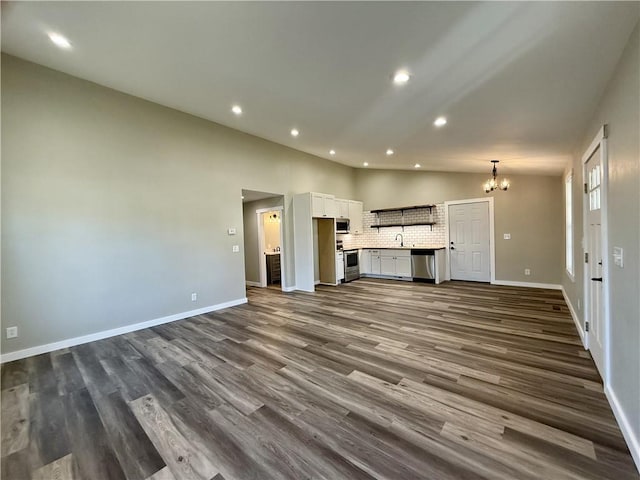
(507, 236)
(618, 256)
(236, 248)
(232, 231)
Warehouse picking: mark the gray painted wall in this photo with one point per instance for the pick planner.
(115, 209)
(619, 108)
(531, 211)
(252, 252)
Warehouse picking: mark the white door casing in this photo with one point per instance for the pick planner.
(469, 243)
(595, 243)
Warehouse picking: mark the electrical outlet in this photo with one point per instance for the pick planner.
(194, 297)
(236, 248)
(12, 332)
(231, 231)
(527, 271)
(507, 236)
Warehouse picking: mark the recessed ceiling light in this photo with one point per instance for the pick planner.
(332, 152)
(366, 164)
(417, 165)
(294, 132)
(440, 121)
(401, 77)
(59, 40)
(390, 152)
(237, 109)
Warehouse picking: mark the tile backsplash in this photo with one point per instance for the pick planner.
(385, 237)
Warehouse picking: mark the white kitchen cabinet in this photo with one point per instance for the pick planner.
(323, 205)
(355, 216)
(342, 208)
(315, 242)
(403, 266)
(375, 262)
(387, 264)
(395, 263)
(339, 266)
(365, 261)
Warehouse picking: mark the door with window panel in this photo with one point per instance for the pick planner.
(595, 311)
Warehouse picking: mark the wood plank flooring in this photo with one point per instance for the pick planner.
(372, 379)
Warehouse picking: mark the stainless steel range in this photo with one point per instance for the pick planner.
(351, 265)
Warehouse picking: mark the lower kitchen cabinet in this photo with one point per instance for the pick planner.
(395, 263)
(387, 265)
(375, 262)
(365, 261)
(339, 267)
(403, 266)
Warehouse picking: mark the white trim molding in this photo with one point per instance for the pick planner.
(92, 337)
(510, 283)
(289, 289)
(250, 283)
(633, 442)
(576, 320)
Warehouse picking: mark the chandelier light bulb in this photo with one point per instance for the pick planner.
(493, 184)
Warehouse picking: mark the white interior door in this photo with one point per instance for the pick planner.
(595, 312)
(469, 242)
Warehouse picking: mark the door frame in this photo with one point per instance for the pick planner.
(599, 141)
(262, 267)
(492, 235)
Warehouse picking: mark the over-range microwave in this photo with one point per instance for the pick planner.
(342, 225)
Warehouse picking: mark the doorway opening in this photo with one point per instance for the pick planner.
(270, 240)
(264, 239)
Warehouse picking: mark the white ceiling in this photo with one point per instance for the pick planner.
(517, 81)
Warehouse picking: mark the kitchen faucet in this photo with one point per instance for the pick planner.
(401, 239)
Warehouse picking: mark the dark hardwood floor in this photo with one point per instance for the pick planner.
(372, 379)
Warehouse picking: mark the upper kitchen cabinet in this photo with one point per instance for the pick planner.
(323, 205)
(342, 208)
(314, 245)
(355, 216)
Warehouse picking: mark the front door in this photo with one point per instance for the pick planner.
(469, 242)
(595, 312)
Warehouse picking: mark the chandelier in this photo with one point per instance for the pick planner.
(492, 184)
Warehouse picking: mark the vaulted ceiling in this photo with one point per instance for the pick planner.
(516, 81)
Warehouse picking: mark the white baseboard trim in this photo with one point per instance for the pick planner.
(509, 283)
(633, 442)
(386, 277)
(249, 283)
(72, 342)
(575, 318)
(289, 289)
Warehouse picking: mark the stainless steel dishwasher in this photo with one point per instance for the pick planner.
(423, 265)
